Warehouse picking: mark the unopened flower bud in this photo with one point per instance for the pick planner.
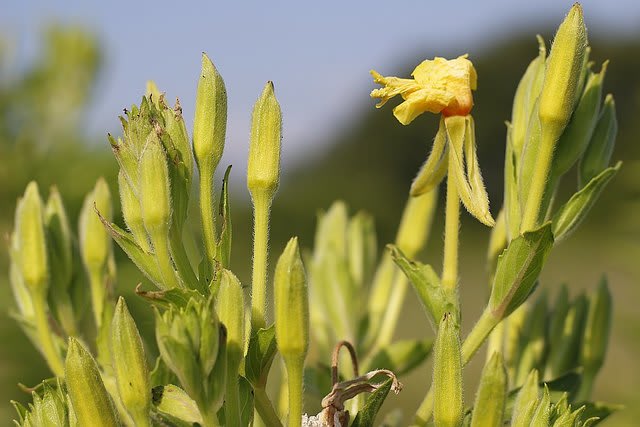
(577, 134)
(526, 401)
(30, 243)
(542, 412)
(177, 130)
(230, 309)
(564, 352)
(447, 374)
(130, 364)
(263, 168)
(132, 211)
(91, 402)
(491, 395)
(416, 223)
(291, 304)
(59, 234)
(563, 72)
(362, 247)
(598, 153)
(155, 193)
(210, 121)
(95, 242)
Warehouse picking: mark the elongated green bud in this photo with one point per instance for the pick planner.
(263, 168)
(563, 73)
(30, 243)
(361, 248)
(491, 395)
(291, 303)
(447, 374)
(527, 401)
(416, 223)
(177, 130)
(130, 365)
(230, 309)
(210, 121)
(598, 153)
(91, 403)
(597, 328)
(155, 193)
(95, 242)
(564, 352)
(59, 235)
(132, 211)
(535, 334)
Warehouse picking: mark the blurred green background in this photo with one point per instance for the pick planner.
(369, 162)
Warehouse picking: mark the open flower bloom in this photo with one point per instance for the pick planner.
(438, 86)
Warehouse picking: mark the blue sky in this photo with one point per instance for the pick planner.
(317, 53)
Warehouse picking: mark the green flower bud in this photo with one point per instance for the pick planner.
(447, 374)
(535, 334)
(491, 395)
(525, 98)
(210, 121)
(526, 401)
(132, 211)
(542, 412)
(291, 304)
(576, 136)
(597, 328)
(361, 248)
(564, 69)
(416, 223)
(263, 168)
(230, 309)
(95, 242)
(91, 402)
(598, 153)
(130, 365)
(155, 193)
(30, 243)
(59, 239)
(564, 352)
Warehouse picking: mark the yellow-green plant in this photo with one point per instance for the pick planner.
(215, 341)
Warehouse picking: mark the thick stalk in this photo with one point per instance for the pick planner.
(207, 212)
(45, 336)
(531, 212)
(265, 408)
(261, 208)
(295, 390)
(451, 232)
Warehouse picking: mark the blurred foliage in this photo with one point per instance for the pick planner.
(42, 107)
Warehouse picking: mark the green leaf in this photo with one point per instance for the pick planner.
(572, 213)
(224, 242)
(402, 357)
(174, 297)
(426, 283)
(175, 405)
(367, 415)
(262, 350)
(518, 269)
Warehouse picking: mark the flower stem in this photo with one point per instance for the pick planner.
(451, 231)
(265, 408)
(207, 212)
(261, 208)
(295, 367)
(531, 212)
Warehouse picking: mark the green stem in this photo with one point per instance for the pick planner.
(451, 231)
(586, 385)
(45, 336)
(538, 186)
(295, 368)
(380, 291)
(181, 259)
(265, 408)
(163, 258)
(98, 293)
(261, 208)
(232, 399)
(207, 212)
(470, 346)
(391, 315)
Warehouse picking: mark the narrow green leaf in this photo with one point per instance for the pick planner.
(518, 269)
(572, 213)
(262, 350)
(367, 415)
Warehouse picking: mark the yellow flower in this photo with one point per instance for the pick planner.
(438, 86)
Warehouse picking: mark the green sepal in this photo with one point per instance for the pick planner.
(262, 350)
(367, 415)
(435, 167)
(572, 213)
(402, 357)
(518, 269)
